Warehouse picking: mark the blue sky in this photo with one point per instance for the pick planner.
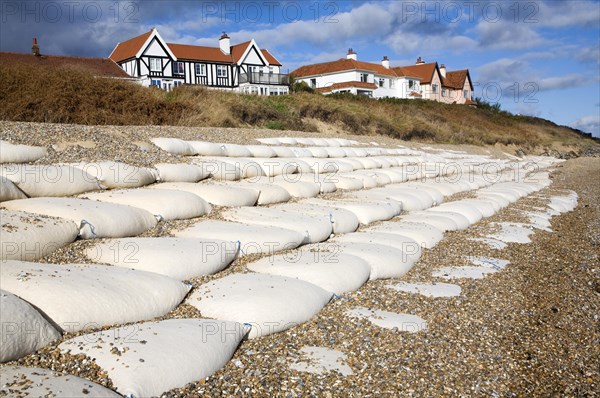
(539, 58)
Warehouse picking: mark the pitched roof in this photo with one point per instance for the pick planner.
(272, 60)
(337, 86)
(238, 50)
(97, 66)
(456, 79)
(423, 71)
(199, 53)
(129, 48)
(340, 65)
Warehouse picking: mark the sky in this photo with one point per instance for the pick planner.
(539, 58)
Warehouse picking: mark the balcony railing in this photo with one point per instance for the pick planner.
(264, 78)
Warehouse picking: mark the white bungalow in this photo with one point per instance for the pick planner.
(360, 78)
(243, 67)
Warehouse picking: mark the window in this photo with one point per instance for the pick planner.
(444, 92)
(221, 71)
(466, 93)
(392, 83)
(381, 82)
(364, 77)
(155, 65)
(177, 83)
(200, 69)
(411, 84)
(178, 68)
(434, 88)
(155, 83)
(313, 83)
(271, 70)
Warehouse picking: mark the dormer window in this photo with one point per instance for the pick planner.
(381, 82)
(411, 84)
(364, 77)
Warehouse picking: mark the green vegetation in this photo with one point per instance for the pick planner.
(69, 95)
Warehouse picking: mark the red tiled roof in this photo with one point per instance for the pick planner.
(199, 53)
(129, 48)
(415, 94)
(272, 60)
(97, 66)
(238, 50)
(470, 102)
(423, 71)
(337, 86)
(456, 79)
(340, 65)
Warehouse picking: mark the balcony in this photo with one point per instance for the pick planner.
(264, 78)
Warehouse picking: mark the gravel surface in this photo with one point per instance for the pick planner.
(530, 329)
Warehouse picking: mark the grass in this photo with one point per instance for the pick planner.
(71, 95)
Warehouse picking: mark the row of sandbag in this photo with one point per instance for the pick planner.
(314, 141)
(187, 350)
(307, 299)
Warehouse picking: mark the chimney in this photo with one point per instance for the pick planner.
(351, 54)
(420, 61)
(225, 44)
(443, 70)
(35, 49)
(385, 62)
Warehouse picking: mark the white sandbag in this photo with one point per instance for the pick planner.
(446, 188)
(381, 179)
(466, 209)
(203, 148)
(435, 194)
(461, 221)
(9, 191)
(335, 272)
(267, 193)
(38, 382)
(410, 247)
(500, 200)
(166, 204)
(160, 356)
(95, 219)
(326, 182)
(269, 303)
(368, 182)
(28, 237)
(385, 261)
(118, 175)
(436, 220)
(486, 207)
(248, 167)
(318, 152)
(288, 140)
(216, 194)
(366, 211)
(261, 151)
(283, 152)
(411, 199)
(269, 141)
(180, 172)
(382, 162)
(316, 228)
(252, 238)
(356, 165)
(24, 330)
(50, 180)
(301, 166)
(335, 152)
(219, 170)
(177, 258)
(367, 163)
(174, 146)
(82, 296)
(297, 188)
(324, 166)
(236, 151)
(395, 176)
(277, 167)
(343, 221)
(15, 153)
(427, 235)
(348, 184)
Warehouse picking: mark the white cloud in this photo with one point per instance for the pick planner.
(558, 14)
(589, 54)
(589, 124)
(507, 35)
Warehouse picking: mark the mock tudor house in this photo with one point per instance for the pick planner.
(243, 67)
(422, 80)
